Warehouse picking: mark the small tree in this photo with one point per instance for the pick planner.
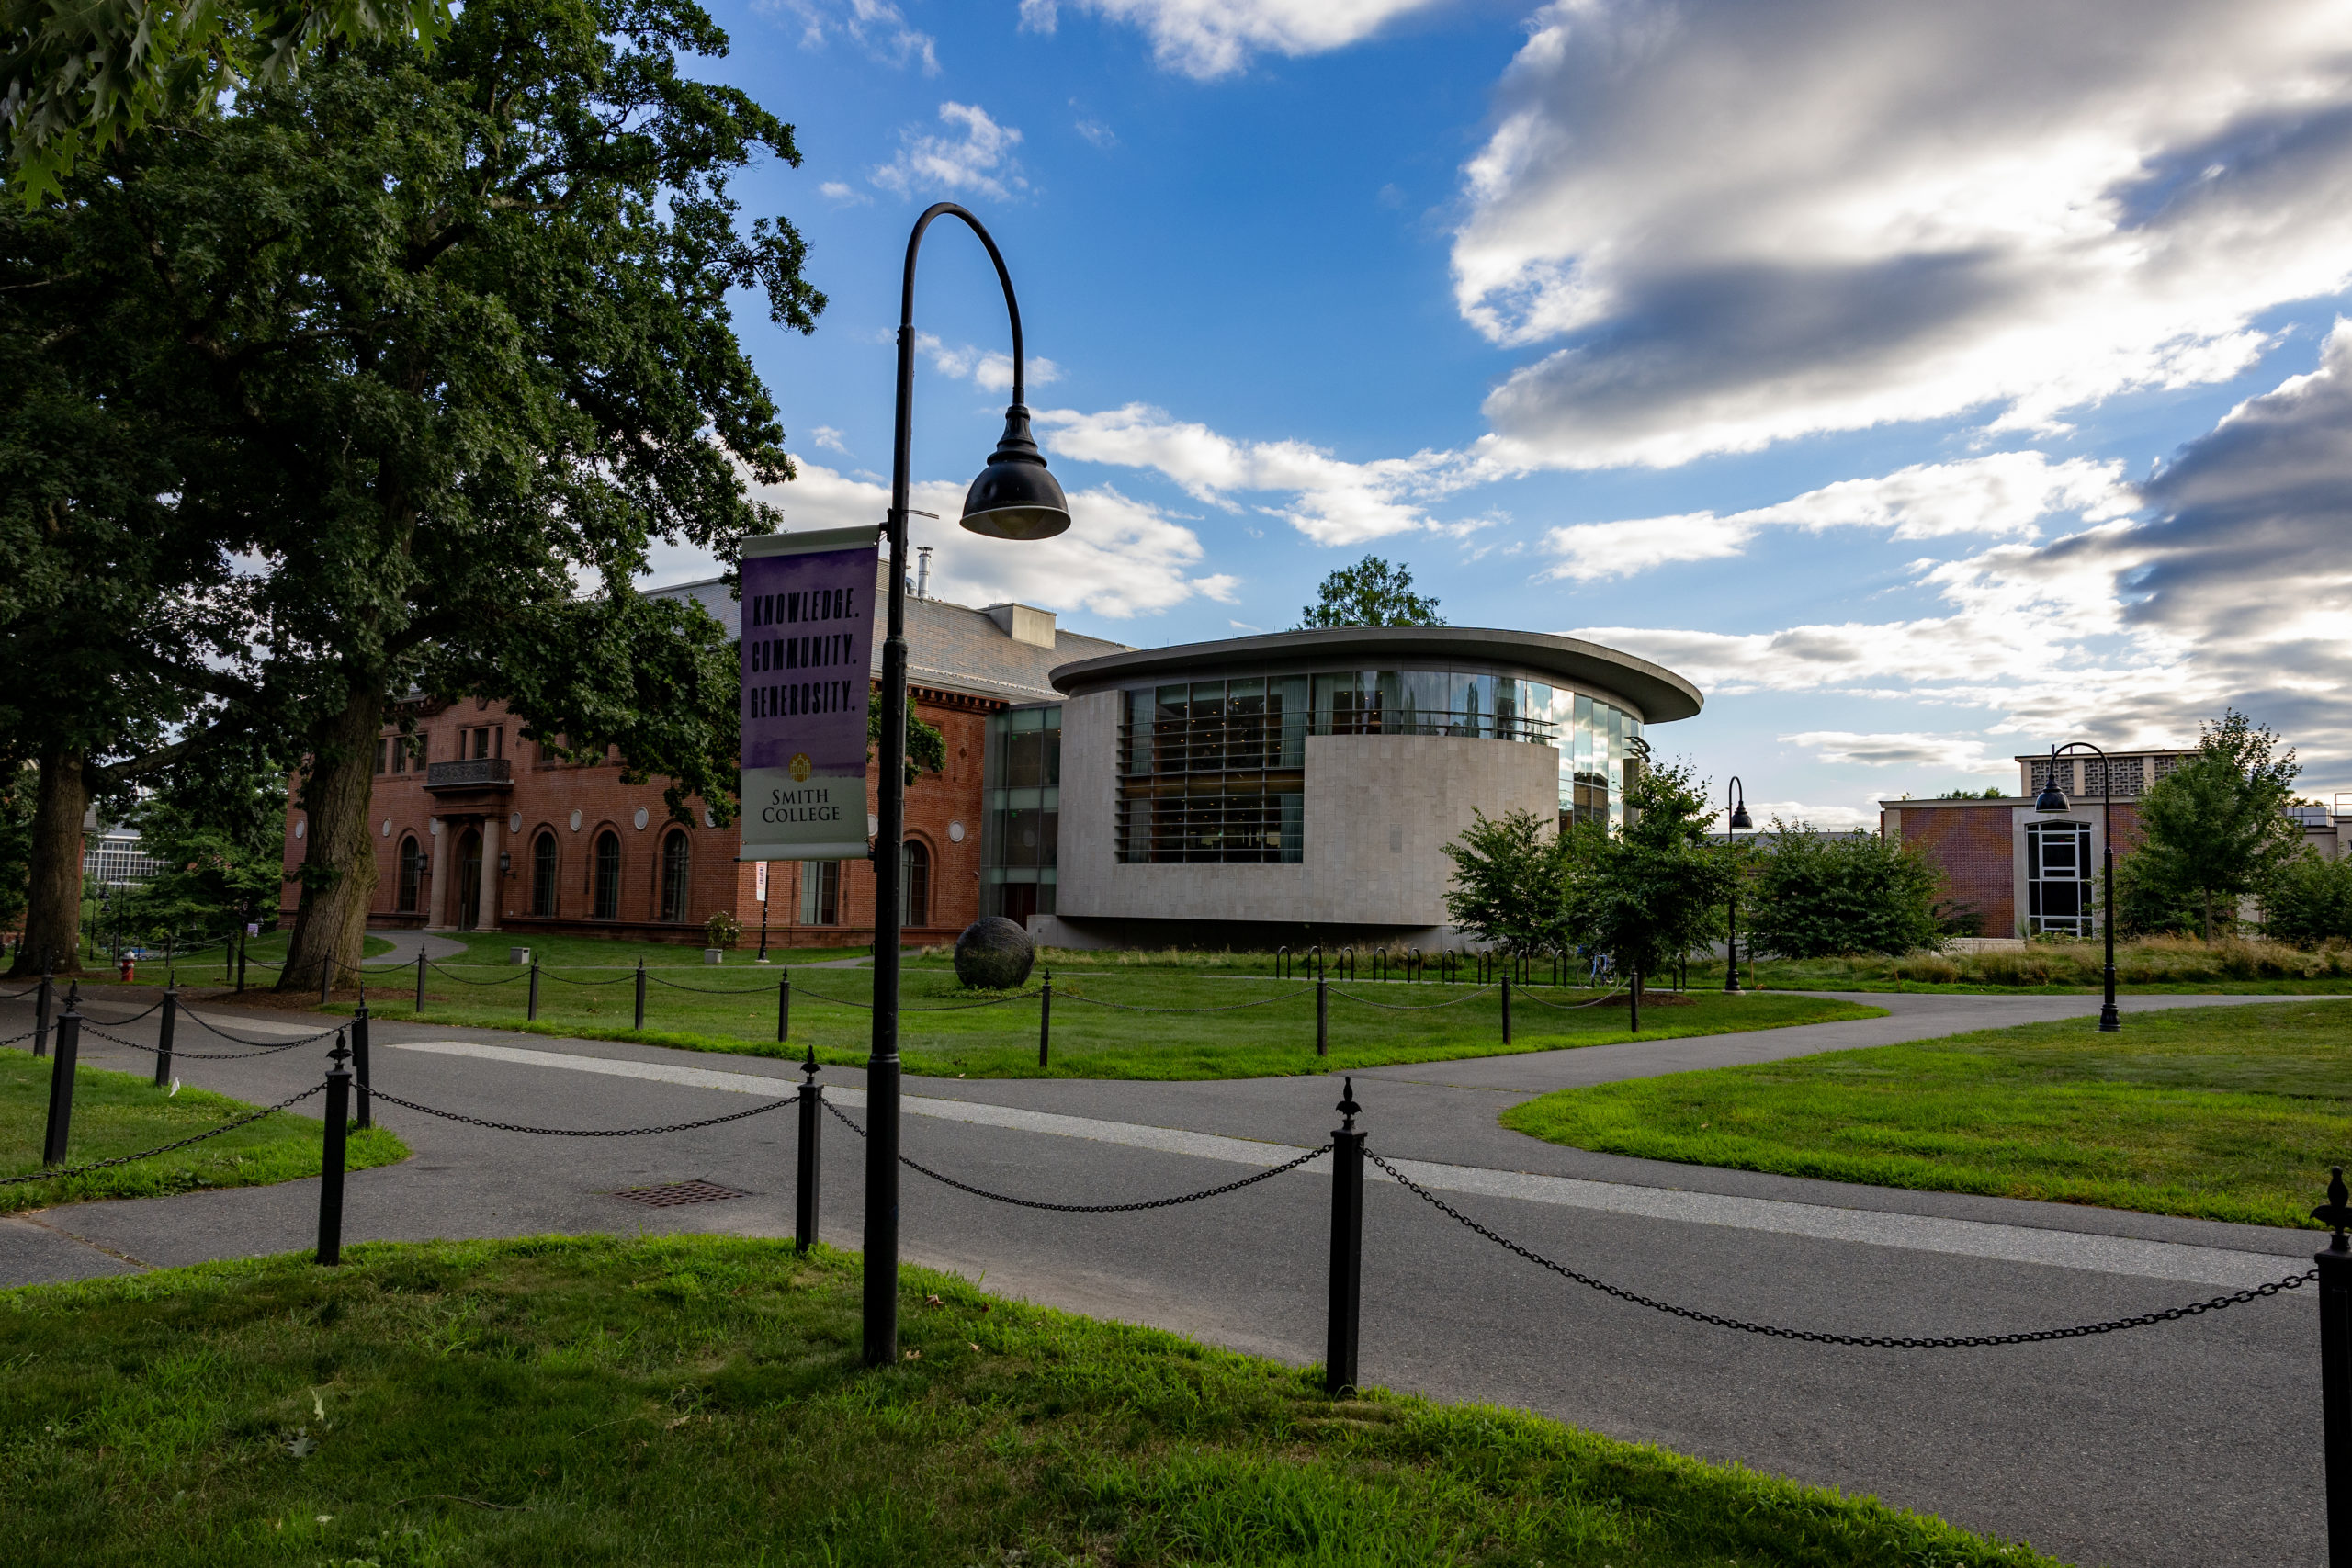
(1656, 888)
(926, 746)
(1823, 895)
(1370, 594)
(2309, 902)
(1510, 883)
(2216, 828)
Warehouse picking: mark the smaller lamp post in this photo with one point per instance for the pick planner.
(1734, 796)
(2051, 801)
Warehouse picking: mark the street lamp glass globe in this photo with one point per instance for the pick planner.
(1740, 821)
(2052, 798)
(1015, 497)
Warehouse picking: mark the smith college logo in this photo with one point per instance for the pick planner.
(801, 767)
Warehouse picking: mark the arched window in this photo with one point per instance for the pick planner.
(914, 885)
(608, 875)
(412, 873)
(543, 874)
(673, 877)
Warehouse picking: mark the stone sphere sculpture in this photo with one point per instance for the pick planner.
(994, 955)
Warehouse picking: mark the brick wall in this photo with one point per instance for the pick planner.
(547, 794)
(1973, 842)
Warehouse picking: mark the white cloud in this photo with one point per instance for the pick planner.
(1953, 753)
(1095, 132)
(828, 437)
(1828, 819)
(1332, 500)
(874, 25)
(979, 158)
(2236, 591)
(847, 195)
(2002, 493)
(1121, 557)
(988, 370)
(1741, 224)
(1206, 38)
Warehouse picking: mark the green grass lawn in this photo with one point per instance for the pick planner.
(120, 1113)
(699, 1400)
(2223, 1113)
(737, 1012)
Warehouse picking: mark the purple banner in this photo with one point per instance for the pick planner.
(808, 602)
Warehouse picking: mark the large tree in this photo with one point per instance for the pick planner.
(1509, 882)
(2215, 829)
(457, 326)
(1370, 594)
(1817, 895)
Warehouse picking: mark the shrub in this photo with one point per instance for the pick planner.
(1820, 895)
(2311, 902)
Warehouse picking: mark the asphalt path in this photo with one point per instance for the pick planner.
(2192, 1442)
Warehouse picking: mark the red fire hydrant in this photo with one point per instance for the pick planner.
(130, 970)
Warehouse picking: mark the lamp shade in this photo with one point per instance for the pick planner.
(1015, 498)
(1740, 821)
(2052, 798)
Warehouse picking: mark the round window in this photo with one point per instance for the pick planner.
(955, 832)
(515, 823)
(575, 821)
(297, 826)
(641, 818)
(388, 827)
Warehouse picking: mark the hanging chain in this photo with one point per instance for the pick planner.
(167, 1148)
(1865, 1341)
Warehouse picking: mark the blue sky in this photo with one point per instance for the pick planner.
(1927, 383)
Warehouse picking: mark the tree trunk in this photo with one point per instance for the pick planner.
(53, 902)
(339, 864)
(1636, 1019)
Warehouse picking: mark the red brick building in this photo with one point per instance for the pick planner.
(2024, 872)
(479, 829)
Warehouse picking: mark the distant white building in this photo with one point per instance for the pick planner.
(112, 853)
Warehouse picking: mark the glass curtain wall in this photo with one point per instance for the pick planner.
(1215, 770)
(1021, 817)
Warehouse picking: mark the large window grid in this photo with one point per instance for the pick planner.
(2058, 879)
(1021, 815)
(1215, 770)
(677, 880)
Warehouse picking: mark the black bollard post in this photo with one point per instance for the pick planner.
(60, 1080)
(531, 1008)
(1505, 1007)
(1347, 1250)
(1322, 1017)
(640, 995)
(240, 963)
(359, 1060)
(419, 978)
(2336, 1368)
(164, 1035)
(1046, 1019)
(1634, 1017)
(41, 1000)
(784, 1010)
(329, 1251)
(813, 1138)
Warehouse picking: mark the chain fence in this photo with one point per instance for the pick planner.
(199, 1019)
(572, 1131)
(1229, 1006)
(245, 1121)
(1860, 1341)
(178, 1054)
(1416, 1007)
(1219, 1192)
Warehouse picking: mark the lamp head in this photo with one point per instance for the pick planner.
(1015, 498)
(2052, 798)
(1740, 821)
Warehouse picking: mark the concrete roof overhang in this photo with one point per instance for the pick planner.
(1654, 695)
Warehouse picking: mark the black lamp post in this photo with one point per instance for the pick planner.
(1014, 498)
(2052, 800)
(1734, 796)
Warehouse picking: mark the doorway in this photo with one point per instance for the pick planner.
(469, 880)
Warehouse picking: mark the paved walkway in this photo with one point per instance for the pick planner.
(405, 944)
(2192, 1443)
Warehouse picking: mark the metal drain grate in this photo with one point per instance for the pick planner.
(676, 1193)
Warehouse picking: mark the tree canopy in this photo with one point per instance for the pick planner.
(1825, 894)
(452, 332)
(1370, 594)
(2215, 829)
(1510, 887)
(78, 78)
(1655, 889)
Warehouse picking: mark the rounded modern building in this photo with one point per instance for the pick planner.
(1303, 787)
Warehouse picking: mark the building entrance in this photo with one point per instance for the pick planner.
(469, 880)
